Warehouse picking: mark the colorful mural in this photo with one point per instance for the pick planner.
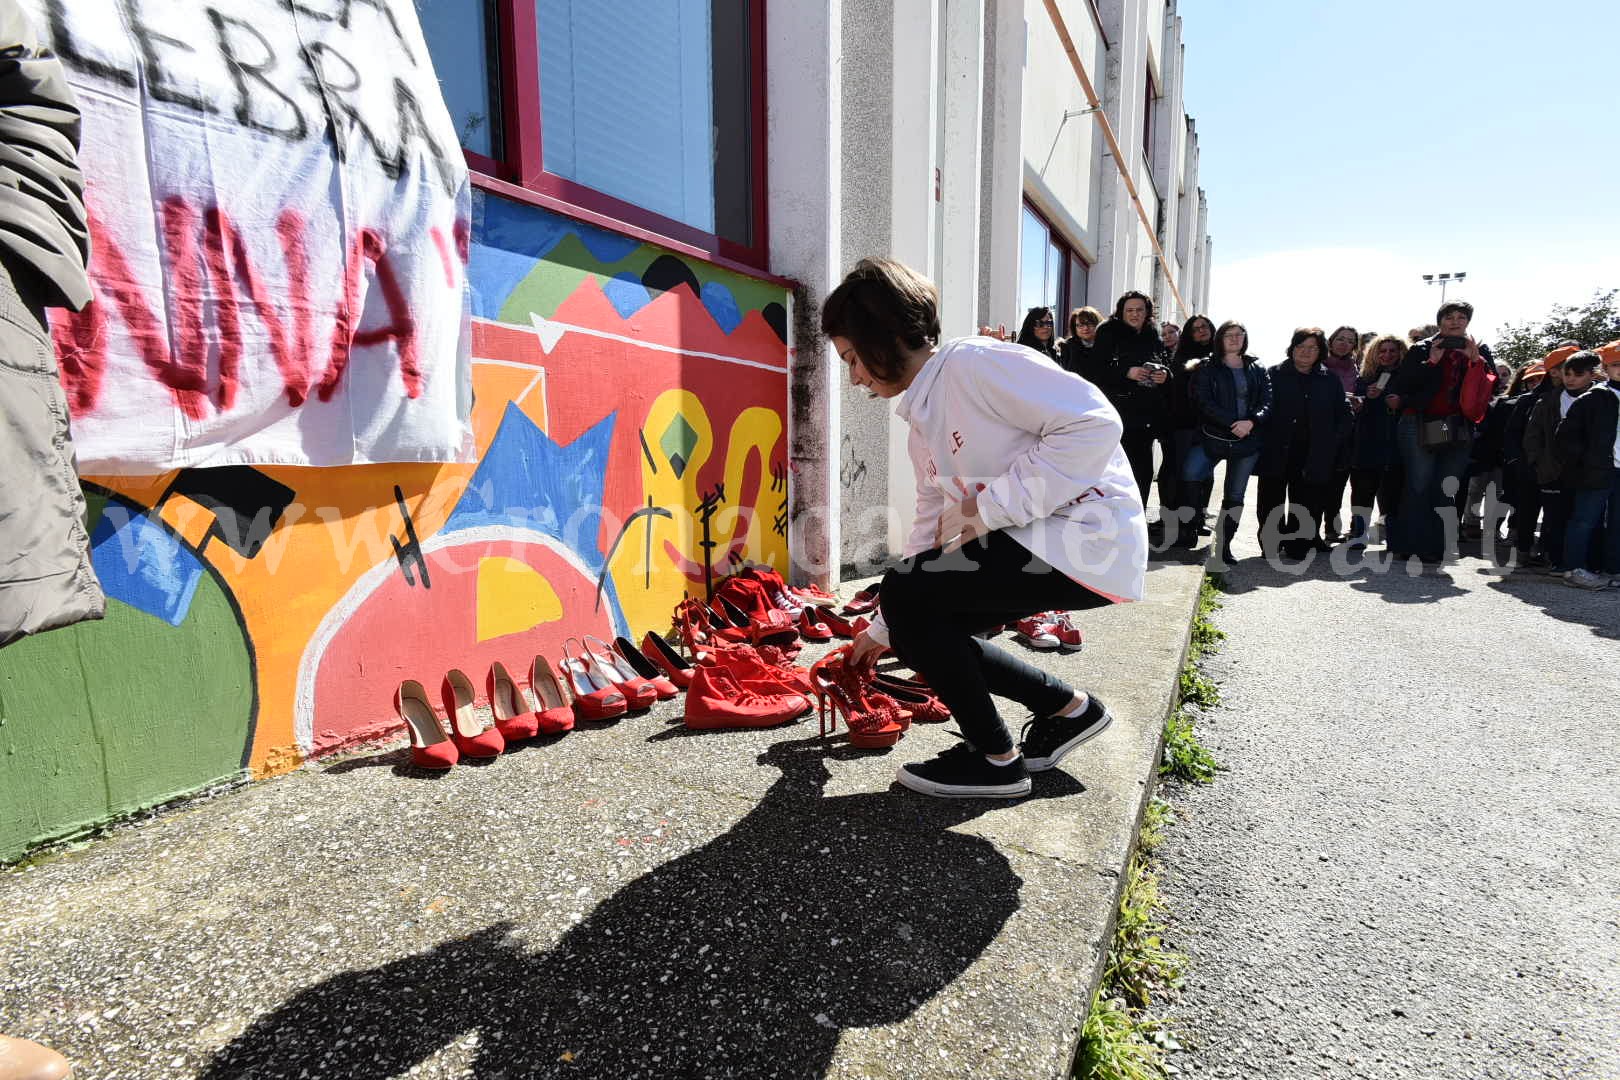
(629, 413)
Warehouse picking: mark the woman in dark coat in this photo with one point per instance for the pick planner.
(1307, 427)
(1130, 366)
(1374, 460)
(1196, 344)
(1233, 397)
(1039, 331)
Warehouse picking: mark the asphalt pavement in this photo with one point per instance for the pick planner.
(1408, 868)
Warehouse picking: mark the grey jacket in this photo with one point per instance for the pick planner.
(46, 578)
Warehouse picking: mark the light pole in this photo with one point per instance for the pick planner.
(1443, 280)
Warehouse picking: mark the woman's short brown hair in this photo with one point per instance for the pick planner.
(1087, 316)
(883, 308)
(1308, 333)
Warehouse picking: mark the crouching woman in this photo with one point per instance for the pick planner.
(1025, 503)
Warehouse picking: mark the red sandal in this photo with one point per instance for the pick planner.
(873, 720)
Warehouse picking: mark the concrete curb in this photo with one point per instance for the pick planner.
(628, 899)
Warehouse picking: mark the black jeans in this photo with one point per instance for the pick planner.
(934, 603)
(1370, 485)
(1138, 446)
(1299, 493)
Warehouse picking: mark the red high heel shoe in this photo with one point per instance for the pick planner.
(924, 706)
(471, 738)
(813, 626)
(841, 626)
(664, 656)
(628, 656)
(431, 748)
(865, 600)
(638, 693)
(554, 712)
(773, 628)
(595, 696)
(514, 717)
(874, 721)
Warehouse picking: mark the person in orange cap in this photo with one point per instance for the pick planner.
(1518, 471)
(1609, 355)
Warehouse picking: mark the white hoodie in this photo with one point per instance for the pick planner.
(1041, 448)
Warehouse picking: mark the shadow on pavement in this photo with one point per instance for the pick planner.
(745, 957)
(1598, 610)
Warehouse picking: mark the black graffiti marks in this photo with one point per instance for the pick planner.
(852, 469)
(229, 33)
(324, 70)
(779, 484)
(409, 553)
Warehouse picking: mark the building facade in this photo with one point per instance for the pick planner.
(299, 498)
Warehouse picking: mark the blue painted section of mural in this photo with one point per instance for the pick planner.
(529, 481)
(627, 294)
(722, 305)
(144, 564)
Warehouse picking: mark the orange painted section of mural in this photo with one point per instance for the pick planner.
(630, 422)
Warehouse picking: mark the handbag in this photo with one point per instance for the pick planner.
(1475, 393)
(1444, 431)
(1218, 443)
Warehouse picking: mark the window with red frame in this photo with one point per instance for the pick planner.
(647, 114)
(1050, 272)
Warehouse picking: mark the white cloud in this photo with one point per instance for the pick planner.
(1372, 289)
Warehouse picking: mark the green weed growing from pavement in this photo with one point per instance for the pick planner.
(1118, 1041)
(1185, 758)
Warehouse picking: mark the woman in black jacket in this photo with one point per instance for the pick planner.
(1196, 344)
(1309, 420)
(1073, 350)
(1039, 331)
(1232, 396)
(1374, 460)
(1128, 364)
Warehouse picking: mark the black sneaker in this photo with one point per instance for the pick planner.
(1048, 739)
(963, 773)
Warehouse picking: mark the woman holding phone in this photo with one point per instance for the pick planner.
(1130, 365)
(1025, 503)
(1374, 460)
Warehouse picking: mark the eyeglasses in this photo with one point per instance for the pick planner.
(1044, 322)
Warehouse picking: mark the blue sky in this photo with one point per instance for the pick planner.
(1349, 147)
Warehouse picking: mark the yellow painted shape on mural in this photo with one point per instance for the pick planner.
(513, 597)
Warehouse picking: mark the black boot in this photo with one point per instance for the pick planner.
(1196, 494)
(1226, 527)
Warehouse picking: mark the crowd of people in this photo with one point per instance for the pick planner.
(1435, 442)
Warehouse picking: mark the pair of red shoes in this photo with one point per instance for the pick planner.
(1047, 630)
(877, 708)
(738, 686)
(438, 740)
(609, 682)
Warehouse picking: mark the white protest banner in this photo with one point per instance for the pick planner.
(280, 216)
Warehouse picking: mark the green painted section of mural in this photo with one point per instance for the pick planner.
(559, 273)
(104, 718)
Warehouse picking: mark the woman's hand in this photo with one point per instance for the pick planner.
(1242, 428)
(1393, 401)
(1375, 391)
(959, 523)
(1472, 352)
(1136, 374)
(864, 653)
(1160, 377)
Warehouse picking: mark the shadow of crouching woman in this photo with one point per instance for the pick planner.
(745, 957)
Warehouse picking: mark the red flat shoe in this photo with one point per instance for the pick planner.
(864, 601)
(628, 656)
(471, 737)
(664, 656)
(595, 696)
(514, 716)
(841, 626)
(552, 709)
(813, 626)
(431, 748)
(718, 700)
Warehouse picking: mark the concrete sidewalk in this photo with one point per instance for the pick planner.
(629, 900)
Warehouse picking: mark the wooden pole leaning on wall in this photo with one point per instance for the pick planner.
(1113, 147)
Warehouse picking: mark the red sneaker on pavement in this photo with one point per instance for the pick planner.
(1067, 634)
(716, 700)
(1036, 632)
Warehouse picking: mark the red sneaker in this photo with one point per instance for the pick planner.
(752, 668)
(1036, 632)
(775, 588)
(717, 700)
(1068, 635)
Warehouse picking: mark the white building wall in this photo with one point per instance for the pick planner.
(1062, 147)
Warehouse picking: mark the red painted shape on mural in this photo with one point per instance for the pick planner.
(187, 374)
(401, 631)
(444, 256)
(401, 329)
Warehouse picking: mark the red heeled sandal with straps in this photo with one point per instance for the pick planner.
(874, 720)
(924, 706)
